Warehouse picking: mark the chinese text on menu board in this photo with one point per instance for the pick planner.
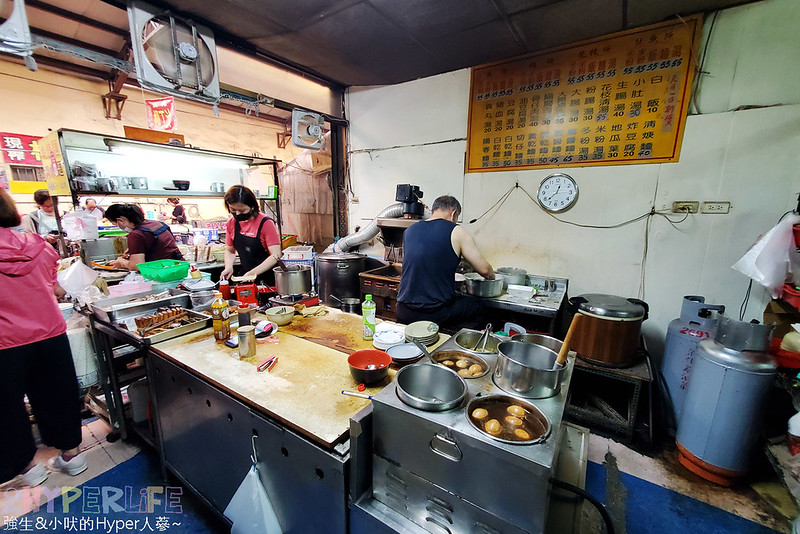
(609, 101)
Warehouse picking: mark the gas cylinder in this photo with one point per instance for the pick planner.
(698, 321)
(732, 376)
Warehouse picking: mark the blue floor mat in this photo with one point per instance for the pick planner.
(652, 509)
(124, 505)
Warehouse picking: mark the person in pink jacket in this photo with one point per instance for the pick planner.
(35, 358)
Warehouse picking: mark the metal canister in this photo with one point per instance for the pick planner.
(247, 341)
(696, 323)
(730, 381)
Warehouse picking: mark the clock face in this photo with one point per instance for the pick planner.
(557, 192)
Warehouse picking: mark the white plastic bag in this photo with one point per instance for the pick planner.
(250, 509)
(76, 278)
(79, 226)
(769, 261)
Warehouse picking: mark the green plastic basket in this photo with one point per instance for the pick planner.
(164, 270)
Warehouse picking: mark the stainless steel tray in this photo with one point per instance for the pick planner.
(201, 321)
(116, 309)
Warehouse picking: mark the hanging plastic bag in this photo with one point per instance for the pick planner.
(76, 278)
(79, 226)
(770, 260)
(250, 509)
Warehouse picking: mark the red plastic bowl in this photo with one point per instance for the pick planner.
(361, 359)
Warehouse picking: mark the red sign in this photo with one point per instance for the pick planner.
(20, 149)
(161, 114)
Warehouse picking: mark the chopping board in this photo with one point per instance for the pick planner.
(337, 329)
(303, 390)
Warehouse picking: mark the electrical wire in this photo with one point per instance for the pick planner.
(596, 503)
(746, 299)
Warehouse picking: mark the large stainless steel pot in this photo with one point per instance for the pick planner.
(609, 333)
(295, 280)
(512, 275)
(430, 387)
(527, 370)
(539, 339)
(337, 274)
(478, 286)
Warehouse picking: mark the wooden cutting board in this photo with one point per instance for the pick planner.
(336, 329)
(303, 390)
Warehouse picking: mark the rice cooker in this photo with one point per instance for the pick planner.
(609, 332)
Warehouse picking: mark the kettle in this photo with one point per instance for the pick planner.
(218, 187)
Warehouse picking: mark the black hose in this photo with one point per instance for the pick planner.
(597, 504)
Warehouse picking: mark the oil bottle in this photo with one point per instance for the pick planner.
(220, 318)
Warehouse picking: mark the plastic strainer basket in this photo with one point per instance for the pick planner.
(164, 270)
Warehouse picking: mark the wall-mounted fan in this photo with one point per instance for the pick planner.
(307, 131)
(173, 55)
(15, 34)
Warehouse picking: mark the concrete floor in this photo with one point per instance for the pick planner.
(763, 499)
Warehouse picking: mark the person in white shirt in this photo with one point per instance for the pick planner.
(91, 208)
(42, 221)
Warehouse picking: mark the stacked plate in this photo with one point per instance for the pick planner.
(425, 332)
(383, 339)
(404, 354)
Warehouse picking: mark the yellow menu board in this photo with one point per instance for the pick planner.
(613, 100)
(53, 165)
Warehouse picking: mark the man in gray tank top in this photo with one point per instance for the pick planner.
(432, 250)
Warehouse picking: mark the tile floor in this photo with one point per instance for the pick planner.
(662, 469)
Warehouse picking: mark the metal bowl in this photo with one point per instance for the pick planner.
(455, 356)
(478, 286)
(512, 275)
(468, 338)
(539, 339)
(533, 422)
(430, 387)
(527, 370)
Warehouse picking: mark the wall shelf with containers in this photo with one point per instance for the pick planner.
(102, 164)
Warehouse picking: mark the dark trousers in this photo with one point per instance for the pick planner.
(45, 372)
(462, 312)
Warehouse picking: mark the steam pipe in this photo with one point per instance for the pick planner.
(368, 232)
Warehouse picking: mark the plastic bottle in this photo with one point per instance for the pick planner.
(220, 319)
(368, 313)
(225, 288)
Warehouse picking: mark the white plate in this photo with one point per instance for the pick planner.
(261, 325)
(404, 352)
(388, 337)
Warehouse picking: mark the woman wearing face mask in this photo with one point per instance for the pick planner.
(147, 240)
(42, 221)
(250, 233)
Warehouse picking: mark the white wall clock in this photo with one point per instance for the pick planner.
(558, 192)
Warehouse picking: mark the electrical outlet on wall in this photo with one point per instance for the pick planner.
(719, 207)
(685, 206)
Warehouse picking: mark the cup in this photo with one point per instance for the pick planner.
(247, 341)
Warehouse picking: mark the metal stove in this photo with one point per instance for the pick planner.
(309, 299)
(439, 472)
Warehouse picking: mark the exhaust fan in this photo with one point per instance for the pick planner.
(173, 55)
(15, 35)
(307, 129)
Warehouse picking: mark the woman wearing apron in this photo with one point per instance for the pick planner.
(251, 234)
(147, 240)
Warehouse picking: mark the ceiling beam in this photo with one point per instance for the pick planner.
(38, 4)
(101, 75)
(242, 45)
(60, 64)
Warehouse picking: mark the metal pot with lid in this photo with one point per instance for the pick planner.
(337, 274)
(609, 332)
